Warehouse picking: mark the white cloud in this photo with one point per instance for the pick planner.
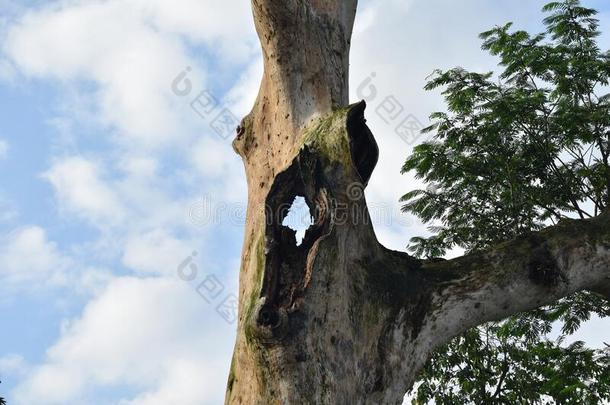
(226, 27)
(155, 252)
(13, 364)
(136, 199)
(186, 383)
(3, 148)
(29, 259)
(128, 53)
(156, 336)
(215, 160)
(140, 167)
(242, 96)
(81, 189)
(213, 157)
(105, 43)
(30, 262)
(132, 51)
(151, 202)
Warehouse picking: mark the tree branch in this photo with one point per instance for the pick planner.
(505, 370)
(534, 270)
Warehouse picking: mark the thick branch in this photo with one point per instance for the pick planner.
(535, 270)
(425, 304)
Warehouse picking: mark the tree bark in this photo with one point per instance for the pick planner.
(339, 319)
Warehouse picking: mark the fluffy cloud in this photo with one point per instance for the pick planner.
(13, 364)
(152, 335)
(215, 160)
(30, 262)
(226, 27)
(29, 259)
(155, 252)
(81, 189)
(243, 94)
(131, 51)
(104, 42)
(116, 61)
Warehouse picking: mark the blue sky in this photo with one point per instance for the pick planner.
(109, 180)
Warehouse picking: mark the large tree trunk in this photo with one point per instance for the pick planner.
(339, 319)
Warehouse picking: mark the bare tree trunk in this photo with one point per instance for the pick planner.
(339, 319)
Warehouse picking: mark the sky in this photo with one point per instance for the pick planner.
(122, 202)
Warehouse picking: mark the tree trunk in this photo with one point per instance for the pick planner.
(339, 319)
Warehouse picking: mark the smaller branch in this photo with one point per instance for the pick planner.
(505, 370)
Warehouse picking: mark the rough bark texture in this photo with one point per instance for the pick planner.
(339, 319)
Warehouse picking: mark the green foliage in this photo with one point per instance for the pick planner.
(516, 152)
(499, 364)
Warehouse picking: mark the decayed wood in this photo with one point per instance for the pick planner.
(339, 319)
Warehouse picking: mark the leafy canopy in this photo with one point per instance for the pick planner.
(513, 153)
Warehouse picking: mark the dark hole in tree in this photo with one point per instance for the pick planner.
(268, 317)
(296, 218)
(363, 147)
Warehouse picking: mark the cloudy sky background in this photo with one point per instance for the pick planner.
(110, 182)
